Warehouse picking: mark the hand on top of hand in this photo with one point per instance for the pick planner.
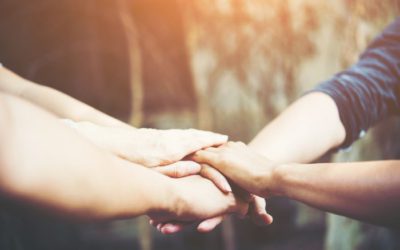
(149, 147)
(246, 168)
(199, 199)
(256, 212)
(163, 150)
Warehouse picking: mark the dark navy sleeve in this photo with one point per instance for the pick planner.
(369, 91)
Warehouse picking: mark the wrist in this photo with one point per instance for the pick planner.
(165, 204)
(266, 179)
(280, 181)
(152, 194)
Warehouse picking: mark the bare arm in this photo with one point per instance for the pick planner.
(54, 101)
(368, 191)
(303, 132)
(363, 190)
(47, 164)
(147, 147)
(362, 95)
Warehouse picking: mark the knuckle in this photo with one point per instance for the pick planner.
(186, 170)
(152, 162)
(260, 212)
(183, 171)
(174, 172)
(205, 172)
(224, 157)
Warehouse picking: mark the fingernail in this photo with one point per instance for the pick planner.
(267, 219)
(227, 188)
(203, 224)
(169, 229)
(164, 230)
(203, 227)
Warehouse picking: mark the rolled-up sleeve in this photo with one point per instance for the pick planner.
(369, 91)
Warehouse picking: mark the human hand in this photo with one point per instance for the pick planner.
(200, 199)
(148, 147)
(249, 170)
(186, 168)
(107, 137)
(257, 211)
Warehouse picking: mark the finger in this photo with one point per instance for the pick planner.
(208, 139)
(189, 157)
(242, 193)
(216, 177)
(241, 207)
(204, 156)
(198, 139)
(225, 145)
(179, 169)
(153, 223)
(212, 149)
(171, 228)
(209, 225)
(258, 213)
(256, 209)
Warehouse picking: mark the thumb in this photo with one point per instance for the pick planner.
(179, 169)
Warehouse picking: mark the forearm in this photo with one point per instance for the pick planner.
(303, 132)
(363, 95)
(53, 100)
(365, 190)
(47, 164)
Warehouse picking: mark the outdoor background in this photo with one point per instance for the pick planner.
(223, 65)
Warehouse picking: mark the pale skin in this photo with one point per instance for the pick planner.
(311, 126)
(157, 147)
(34, 170)
(162, 150)
(281, 141)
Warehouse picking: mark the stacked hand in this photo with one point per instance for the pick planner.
(249, 170)
(199, 200)
(149, 147)
(255, 210)
(164, 151)
(251, 173)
